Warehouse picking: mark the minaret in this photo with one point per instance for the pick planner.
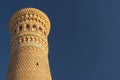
(29, 29)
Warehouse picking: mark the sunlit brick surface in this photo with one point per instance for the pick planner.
(29, 28)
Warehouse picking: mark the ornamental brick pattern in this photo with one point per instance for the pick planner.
(29, 29)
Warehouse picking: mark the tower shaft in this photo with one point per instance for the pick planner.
(29, 28)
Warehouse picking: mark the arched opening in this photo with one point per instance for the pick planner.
(34, 28)
(20, 28)
(28, 27)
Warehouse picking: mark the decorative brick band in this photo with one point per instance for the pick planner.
(24, 41)
(29, 28)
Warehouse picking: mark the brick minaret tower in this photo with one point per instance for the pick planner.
(29, 28)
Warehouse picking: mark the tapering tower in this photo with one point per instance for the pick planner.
(29, 29)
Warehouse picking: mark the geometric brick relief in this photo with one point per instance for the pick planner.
(29, 28)
(28, 62)
(28, 59)
(29, 41)
(29, 74)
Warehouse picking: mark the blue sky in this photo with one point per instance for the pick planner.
(84, 42)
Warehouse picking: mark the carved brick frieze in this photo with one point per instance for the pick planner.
(24, 41)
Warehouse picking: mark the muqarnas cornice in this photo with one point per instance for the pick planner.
(30, 15)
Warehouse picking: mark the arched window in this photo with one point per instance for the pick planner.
(28, 27)
(20, 28)
(34, 28)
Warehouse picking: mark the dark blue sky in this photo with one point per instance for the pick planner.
(84, 41)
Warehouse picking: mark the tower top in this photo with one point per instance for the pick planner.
(29, 29)
(29, 14)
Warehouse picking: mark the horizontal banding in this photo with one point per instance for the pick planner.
(28, 12)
